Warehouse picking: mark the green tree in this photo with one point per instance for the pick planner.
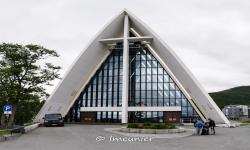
(23, 74)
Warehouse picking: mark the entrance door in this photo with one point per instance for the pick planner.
(172, 116)
(88, 117)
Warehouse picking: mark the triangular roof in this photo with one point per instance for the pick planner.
(95, 54)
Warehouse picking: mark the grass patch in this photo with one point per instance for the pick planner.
(4, 132)
(248, 121)
(151, 126)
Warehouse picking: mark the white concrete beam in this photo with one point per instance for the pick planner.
(115, 109)
(130, 39)
(125, 79)
(111, 40)
(171, 108)
(95, 109)
(139, 39)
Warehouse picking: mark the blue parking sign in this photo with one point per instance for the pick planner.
(7, 109)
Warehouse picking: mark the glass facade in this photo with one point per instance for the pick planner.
(103, 90)
(149, 86)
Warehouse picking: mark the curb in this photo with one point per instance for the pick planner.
(26, 130)
(153, 136)
(152, 131)
(31, 127)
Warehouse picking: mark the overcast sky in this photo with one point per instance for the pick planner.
(212, 38)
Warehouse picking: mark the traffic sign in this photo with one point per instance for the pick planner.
(7, 109)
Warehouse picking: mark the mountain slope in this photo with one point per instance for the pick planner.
(236, 95)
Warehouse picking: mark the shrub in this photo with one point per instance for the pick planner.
(247, 121)
(170, 126)
(158, 126)
(147, 124)
(132, 125)
(147, 127)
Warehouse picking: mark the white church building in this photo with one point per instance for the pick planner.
(128, 74)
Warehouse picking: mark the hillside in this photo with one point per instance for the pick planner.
(237, 95)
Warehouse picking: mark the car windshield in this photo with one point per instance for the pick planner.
(53, 116)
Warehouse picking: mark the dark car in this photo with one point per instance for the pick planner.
(53, 120)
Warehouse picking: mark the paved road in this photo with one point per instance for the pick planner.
(83, 137)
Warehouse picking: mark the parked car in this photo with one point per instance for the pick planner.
(53, 120)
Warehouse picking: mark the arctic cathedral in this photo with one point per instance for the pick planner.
(128, 74)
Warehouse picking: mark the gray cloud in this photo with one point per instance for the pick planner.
(211, 37)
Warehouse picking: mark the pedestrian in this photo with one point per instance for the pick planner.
(199, 125)
(212, 125)
(205, 129)
(194, 123)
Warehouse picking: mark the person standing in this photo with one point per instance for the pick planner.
(194, 123)
(212, 125)
(199, 125)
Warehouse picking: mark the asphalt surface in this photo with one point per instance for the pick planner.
(95, 137)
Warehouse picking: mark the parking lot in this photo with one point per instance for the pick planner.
(93, 137)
